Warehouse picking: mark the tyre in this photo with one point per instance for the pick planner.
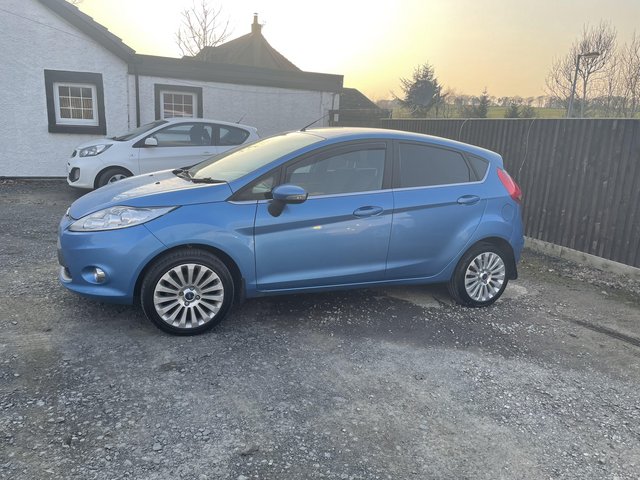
(480, 276)
(187, 292)
(111, 175)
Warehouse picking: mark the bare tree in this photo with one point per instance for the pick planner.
(601, 39)
(630, 76)
(202, 26)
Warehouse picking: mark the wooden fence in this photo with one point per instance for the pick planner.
(580, 178)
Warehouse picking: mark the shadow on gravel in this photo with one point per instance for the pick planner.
(428, 320)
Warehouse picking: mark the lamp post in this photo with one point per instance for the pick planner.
(575, 79)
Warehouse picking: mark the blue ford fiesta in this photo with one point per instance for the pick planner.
(304, 211)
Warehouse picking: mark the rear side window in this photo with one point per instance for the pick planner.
(232, 136)
(426, 166)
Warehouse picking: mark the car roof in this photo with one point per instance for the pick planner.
(208, 120)
(359, 133)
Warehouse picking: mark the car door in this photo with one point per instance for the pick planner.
(439, 201)
(179, 145)
(340, 234)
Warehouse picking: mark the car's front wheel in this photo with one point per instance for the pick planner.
(187, 292)
(111, 175)
(481, 276)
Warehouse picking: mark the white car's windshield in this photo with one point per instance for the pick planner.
(138, 131)
(235, 164)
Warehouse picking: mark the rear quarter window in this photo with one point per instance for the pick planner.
(426, 166)
(479, 166)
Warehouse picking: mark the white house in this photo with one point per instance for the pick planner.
(67, 79)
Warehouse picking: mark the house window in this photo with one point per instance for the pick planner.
(75, 102)
(178, 101)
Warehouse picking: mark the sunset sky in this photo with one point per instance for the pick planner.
(506, 46)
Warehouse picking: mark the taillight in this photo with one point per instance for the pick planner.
(512, 187)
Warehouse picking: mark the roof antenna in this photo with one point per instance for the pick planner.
(243, 115)
(304, 129)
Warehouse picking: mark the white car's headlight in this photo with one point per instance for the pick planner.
(117, 217)
(93, 150)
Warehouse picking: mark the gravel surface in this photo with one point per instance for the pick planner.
(390, 384)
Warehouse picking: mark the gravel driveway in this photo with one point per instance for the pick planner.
(390, 384)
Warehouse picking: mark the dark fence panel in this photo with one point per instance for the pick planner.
(580, 178)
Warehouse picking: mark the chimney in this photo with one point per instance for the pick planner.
(255, 26)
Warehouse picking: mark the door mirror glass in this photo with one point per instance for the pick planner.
(150, 142)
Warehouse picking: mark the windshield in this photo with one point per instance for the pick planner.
(138, 131)
(232, 165)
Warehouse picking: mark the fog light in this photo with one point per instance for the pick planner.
(98, 275)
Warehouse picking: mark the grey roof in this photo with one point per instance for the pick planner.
(354, 99)
(188, 68)
(251, 50)
(90, 27)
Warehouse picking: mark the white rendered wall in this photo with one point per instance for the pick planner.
(28, 48)
(271, 110)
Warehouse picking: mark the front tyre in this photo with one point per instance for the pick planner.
(480, 277)
(111, 175)
(187, 292)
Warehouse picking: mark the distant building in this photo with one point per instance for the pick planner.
(356, 108)
(67, 79)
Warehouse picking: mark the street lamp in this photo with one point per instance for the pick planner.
(575, 79)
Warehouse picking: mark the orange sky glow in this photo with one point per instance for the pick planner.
(506, 46)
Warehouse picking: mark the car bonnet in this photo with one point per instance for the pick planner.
(158, 189)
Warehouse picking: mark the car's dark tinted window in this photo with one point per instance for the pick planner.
(232, 136)
(423, 166)
(347, 172)
(479, 165)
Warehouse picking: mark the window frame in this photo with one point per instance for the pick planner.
(57, 124)
(75, 121)
(396, 166)
(160, 89)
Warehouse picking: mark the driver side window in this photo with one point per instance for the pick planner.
(352, 171)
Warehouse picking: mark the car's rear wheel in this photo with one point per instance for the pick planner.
(111, 175)
(187, 292)
(481, 276)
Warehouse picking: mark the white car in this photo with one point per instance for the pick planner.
(160, 145)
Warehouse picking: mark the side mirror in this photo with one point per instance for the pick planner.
(286, 194)
(150, 142)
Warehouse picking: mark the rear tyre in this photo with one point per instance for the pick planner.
(111, 175)
(187, 292)
(480, 277)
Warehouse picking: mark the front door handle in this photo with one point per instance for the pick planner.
(368, 211)
(468, 199)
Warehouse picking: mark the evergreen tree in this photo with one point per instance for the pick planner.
(422, 92)
(512, 112)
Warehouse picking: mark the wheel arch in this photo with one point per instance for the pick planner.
(99, 174)
(229, 262)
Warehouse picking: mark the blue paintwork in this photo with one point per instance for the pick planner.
(403, 236)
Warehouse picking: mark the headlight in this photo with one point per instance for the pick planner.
(117, 217)
(93, 150)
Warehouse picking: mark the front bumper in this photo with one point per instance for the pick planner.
(81, 176)
(120, 254)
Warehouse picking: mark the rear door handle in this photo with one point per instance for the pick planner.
(368, 211)
(468, 199)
